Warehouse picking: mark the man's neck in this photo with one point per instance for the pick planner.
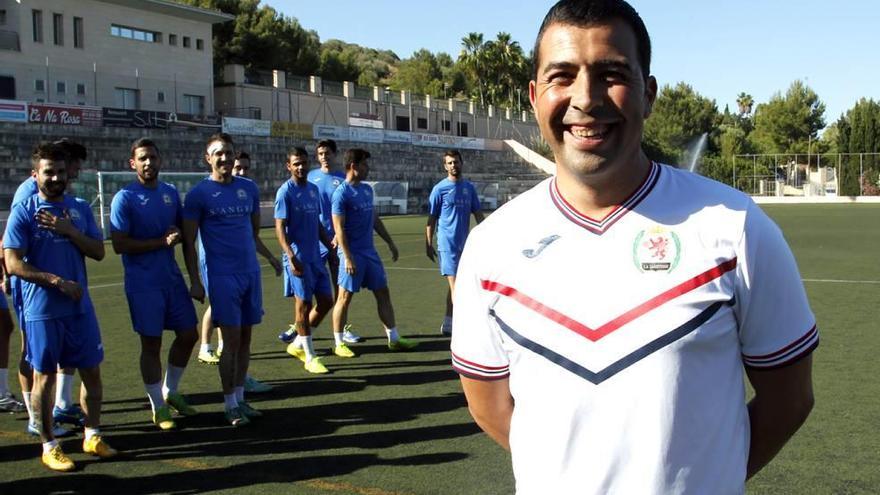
(595, 195)
(299, 181)
(52, 199)
(221, 179)
(152, 184)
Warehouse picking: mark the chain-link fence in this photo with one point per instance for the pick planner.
(821, 174)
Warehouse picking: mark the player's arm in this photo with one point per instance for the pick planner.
(88, 246)
(281, 235)
(124, 244)
(191, 260)
(491, 406)
(4, 278)
(261, 248)
(342, 242)
(783, 400)
(380, 229)
(430, 228)
(25, 271)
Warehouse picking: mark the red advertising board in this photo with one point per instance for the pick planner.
(47, 113)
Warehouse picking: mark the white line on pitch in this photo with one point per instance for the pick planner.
(834, 281)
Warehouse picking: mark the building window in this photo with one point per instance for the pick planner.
(462, 129)
(58, 29)
(421, 123)
(2, 17)
(7, 87)
(78, 39)
(37, 23)
(39, 85)
(447, 125)
(200, 44)
(127, 98)
(194, 104)
(80, 89)
(172, 39)
(160, 97)
(186, 42)
(135, 34)
(60, 87)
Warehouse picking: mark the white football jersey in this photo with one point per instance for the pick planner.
(624, 338)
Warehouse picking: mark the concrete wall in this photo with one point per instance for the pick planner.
(106, 62)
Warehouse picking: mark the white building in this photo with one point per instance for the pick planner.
(130, 54)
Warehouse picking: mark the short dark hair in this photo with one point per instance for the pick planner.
(143, 143)
(297, 151)
(242, 155)
(71, 149)
(220, 136)
(326, 143)
(355, 155)
(45, 150)
(452, 153)
(583, 13)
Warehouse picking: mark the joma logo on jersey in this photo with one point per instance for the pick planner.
(542, 244)
(657, 249)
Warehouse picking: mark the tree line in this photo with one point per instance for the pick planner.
(496, 72)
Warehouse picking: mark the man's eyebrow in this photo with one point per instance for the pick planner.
(602, 64)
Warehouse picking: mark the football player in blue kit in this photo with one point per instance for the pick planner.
(145, 219)
(47, 239)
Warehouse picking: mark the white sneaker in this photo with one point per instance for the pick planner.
(8, 403)
(58, 431)
(349, 337)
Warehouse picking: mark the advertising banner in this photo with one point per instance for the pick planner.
(291, 130)
(142, 119)
(49, 113)
(365, 134)
(13, 111)
(398, 137)
(247, 127)
(330, 132)
(365, 120)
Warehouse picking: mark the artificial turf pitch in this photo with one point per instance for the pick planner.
(386, 423)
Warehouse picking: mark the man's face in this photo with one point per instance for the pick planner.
(452, 164)
(51, 177)
(590, 96)
(221, 157)
(241, 167)
(361, 170)
(73, 167)
(146, 164)
(325, 157)
(298, 166)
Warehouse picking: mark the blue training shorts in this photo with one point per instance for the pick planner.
(314, 280)
(70, 342)
(369, 272)
(236, 300)
(155, 310)
(449, 262)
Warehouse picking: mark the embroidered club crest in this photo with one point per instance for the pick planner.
(657, 249)
(241, 194)
(167, 199)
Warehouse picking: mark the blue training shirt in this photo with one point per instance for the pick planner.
(145, 213)
(327, 184)
(452, 202)
(300, 206)
(25, 190)
(50, 252)
(356, 203)
(223, 212)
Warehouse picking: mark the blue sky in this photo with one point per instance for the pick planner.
(720, 47)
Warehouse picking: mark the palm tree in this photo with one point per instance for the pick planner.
(510, 62)
(745, 102)
(473, 58)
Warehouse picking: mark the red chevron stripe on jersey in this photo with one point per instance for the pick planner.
(616, 323)
(600, 226)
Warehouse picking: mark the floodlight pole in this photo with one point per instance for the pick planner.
(101, 203)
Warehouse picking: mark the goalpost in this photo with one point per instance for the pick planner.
(98, 188)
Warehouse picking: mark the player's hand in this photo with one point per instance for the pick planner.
(394, 253)
(276, 265)
(5, 286)
(62, 225)
(430, 252)
(334, 243)
(296, 267)
(197, 292)
(173, 236)
(350, 268)
(70, 289)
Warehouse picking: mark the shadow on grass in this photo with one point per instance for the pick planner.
(248, 474)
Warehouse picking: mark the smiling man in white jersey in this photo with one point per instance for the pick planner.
(605, 319)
